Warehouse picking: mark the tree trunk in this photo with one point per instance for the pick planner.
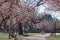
(20, 29)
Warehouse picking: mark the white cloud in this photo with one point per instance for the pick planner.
(56, 15)
(42, 10)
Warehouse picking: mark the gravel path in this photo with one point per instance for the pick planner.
(38, 37)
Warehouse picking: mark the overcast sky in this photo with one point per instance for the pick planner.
(43, 9)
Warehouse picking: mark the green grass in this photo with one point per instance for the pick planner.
(57, 37)
(30, 34)
(3, 35)
(33, 34)
(6, 35)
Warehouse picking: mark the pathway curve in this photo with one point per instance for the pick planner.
(38, 37)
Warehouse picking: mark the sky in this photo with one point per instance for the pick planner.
(43, 9)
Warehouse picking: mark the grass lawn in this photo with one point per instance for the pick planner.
(30, 34)
(6, 35)
(3, 35)
(57, 37)
(33, 34)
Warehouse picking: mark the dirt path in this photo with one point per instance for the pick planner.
(38, 37)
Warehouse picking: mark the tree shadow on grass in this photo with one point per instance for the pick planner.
(26, 35)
